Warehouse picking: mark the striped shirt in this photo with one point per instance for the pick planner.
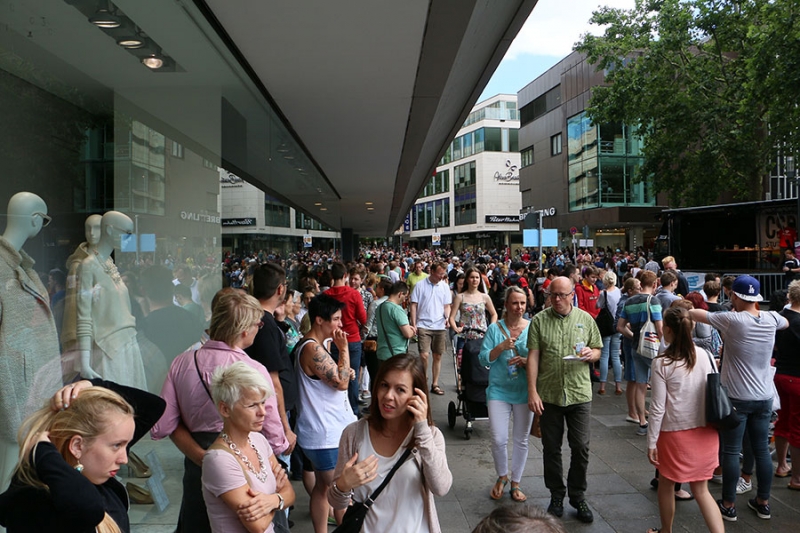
(563, 382)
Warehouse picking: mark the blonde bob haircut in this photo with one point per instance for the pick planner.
(794, 292)
(609, 279)
(87, 417)
(229, 382)
(233, 312)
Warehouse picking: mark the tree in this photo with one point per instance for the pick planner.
(711, 84)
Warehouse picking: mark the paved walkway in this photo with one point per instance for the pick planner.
(619, 481)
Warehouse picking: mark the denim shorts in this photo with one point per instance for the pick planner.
(323, 459)
(642, 367)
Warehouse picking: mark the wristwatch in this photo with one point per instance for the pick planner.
(282, 503)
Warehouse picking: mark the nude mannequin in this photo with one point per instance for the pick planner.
(28, 339)
(105, 328)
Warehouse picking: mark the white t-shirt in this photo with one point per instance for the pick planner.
(430, 300)
(748, 341)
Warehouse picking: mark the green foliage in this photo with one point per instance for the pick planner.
(713, 85)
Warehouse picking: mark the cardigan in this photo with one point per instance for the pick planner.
(428, 453)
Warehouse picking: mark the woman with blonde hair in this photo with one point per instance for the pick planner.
(70, 453)
(191, 419)
(609, 299)
(240, 464)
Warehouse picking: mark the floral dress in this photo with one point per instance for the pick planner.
(473, 320)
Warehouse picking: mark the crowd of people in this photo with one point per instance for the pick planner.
(300, 369)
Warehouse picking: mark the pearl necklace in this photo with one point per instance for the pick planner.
(262, 474)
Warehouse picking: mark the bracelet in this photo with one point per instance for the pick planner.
(336, 488)
(282, 503)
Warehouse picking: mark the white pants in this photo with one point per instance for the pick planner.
(499, 416)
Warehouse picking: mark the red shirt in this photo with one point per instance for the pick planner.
(587, 298)
(353, 313)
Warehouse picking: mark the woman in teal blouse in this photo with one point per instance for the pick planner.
(504, 350)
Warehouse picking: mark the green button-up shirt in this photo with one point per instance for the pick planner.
(563, 382)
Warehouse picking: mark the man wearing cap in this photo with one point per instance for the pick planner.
(749, 337)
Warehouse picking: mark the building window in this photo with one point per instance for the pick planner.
(177, 150)
(526, 157)
(555, 144)
(439, 183)
(540, 106)
(478, 136)
(209, 164)
(464, 177)
(492, 140)
(276, 214)
(429, 215)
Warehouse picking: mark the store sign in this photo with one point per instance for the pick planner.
(228, 179)
(503, 219)
(199, 217)
(249, 221)
(509, 176)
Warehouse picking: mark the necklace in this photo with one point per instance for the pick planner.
(261, 475)
(109, 268)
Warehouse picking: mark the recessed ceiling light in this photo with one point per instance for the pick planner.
(323, 208)
(131, 42)
(153, 62)
(368, 203)
(317, 203)
(370, 209)
(104, 19)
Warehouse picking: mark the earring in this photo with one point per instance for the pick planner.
(79, 467)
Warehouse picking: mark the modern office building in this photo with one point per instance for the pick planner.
(581, 173)
(473, 200)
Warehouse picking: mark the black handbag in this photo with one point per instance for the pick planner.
(720, 412)
(354, 516)
(605, 320)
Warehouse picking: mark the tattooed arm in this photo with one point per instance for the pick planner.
(322, 365)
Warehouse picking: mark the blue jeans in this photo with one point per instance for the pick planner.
(754, 416)
(610, 347)
(354, 348)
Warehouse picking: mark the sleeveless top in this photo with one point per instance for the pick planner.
(473, 317)
(322, 411)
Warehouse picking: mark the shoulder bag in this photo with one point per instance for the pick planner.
(720, 412)
(354, 516)
(605, 319)
(648, 337)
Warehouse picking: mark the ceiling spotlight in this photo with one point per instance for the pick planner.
(367, 203)
(317, 203)
(323, 208)
(370, 209)
(130, 42)
(103, 18)
(153, 61)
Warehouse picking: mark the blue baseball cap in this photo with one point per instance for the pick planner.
(747, 288)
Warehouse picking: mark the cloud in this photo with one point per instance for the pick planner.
(554, 26)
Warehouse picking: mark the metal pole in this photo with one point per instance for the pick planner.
(791, 174)
(136, 232)
(540, 262)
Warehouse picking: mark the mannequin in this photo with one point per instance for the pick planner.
(29, 372)
(105, 329)
(69, 338)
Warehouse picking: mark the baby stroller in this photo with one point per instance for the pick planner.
(472, 378)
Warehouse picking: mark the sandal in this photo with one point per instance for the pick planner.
(784, 473)
(654, 530)
(517, 495)
(500, 481)
(793, 487)
(436, 390)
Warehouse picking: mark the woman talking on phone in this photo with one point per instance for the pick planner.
(399, 420)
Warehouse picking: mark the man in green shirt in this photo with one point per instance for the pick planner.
(416, 276)
(393, 327)
(562, 339)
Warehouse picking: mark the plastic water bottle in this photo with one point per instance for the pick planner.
(513, 371)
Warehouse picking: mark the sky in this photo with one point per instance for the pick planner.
(548, 36)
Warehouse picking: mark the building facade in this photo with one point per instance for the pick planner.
(253, 221)
(585, 171)
(473, 200)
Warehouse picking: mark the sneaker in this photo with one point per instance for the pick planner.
(642, 431)
(584, 513)
(743, 486)
(716, 478)
(728, 513)
(762, 510)
(556, 507)
(365, 396)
